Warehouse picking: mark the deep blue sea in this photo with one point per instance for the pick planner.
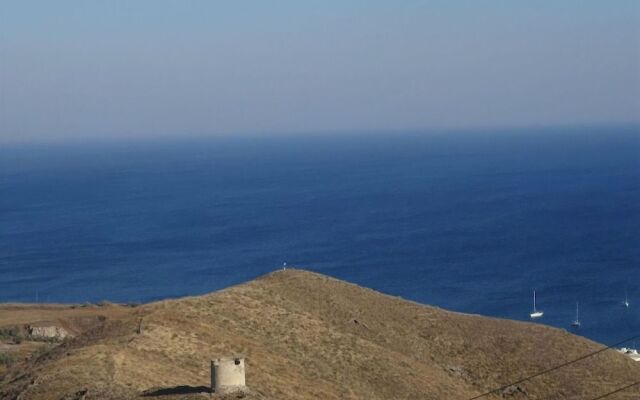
(468, 221)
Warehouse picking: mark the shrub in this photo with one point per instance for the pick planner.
(11, 333)
(7, 359)
(17, 339)
(41, 351)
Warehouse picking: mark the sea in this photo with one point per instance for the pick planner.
(470, 221)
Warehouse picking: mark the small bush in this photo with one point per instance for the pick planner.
(17, 339)
(7, 359)
(12, 334)
(42, 350)
(8, 333)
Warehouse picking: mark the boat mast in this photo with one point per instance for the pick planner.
(626, 299)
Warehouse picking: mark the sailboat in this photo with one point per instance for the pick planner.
(626, 299)
(535, 314)
(576, 322)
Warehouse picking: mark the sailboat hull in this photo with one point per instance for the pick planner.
(536, 314)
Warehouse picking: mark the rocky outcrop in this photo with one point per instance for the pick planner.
(47, 332)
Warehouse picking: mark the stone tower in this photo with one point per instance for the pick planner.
(227, 375)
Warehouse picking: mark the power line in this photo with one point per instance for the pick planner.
(546, 371)
(616, 391)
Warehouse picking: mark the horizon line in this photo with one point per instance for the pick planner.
(308, 134)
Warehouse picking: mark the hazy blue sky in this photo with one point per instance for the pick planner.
(87, 69)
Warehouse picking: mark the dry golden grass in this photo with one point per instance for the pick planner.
(74, 318)
(308, 336)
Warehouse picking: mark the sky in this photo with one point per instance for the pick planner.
(84, 70)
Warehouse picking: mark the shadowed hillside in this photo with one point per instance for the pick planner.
(308, 336)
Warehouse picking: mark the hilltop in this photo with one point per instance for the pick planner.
(309, 336)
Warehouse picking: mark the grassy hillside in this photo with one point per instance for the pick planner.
(308, 336)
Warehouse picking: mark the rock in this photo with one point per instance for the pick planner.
(458, 371)
(47, 332)
(513, 391)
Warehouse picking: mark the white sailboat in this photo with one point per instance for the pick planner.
(535, 314)
(576, 322)
(626, 299)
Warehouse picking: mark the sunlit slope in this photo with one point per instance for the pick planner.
(308, 336)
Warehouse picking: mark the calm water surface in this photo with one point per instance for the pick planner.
(467, 221)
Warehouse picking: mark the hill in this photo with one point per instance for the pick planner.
(308, 336)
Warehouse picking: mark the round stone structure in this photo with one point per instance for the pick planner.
(227, 375)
